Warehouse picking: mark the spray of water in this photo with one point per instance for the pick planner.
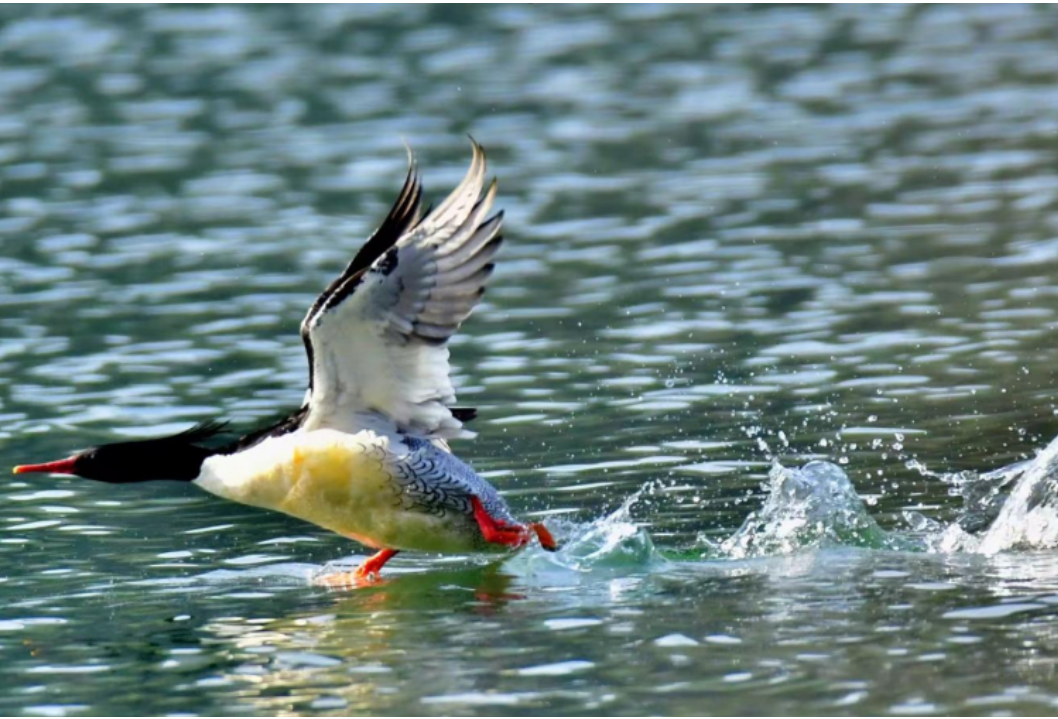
(1011, 508)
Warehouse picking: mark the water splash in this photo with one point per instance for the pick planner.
(810, 507)
(614, 541)
(983, 494)
(805, 509)
(1008, 509)
(1028, 519)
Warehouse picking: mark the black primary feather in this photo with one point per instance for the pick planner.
(404, 214)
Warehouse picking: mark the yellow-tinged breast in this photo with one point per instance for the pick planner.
(339, 481)
(307, 472)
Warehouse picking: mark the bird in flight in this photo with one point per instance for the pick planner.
(367, 453)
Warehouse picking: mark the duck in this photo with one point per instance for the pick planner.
(367, 455)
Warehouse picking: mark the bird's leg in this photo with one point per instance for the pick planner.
(367, 572)
(497, 531)
(372, 566)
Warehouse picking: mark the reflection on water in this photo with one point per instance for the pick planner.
(735, 236)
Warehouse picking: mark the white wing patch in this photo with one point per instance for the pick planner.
(377, 346)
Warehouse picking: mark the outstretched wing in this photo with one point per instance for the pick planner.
(376, 338)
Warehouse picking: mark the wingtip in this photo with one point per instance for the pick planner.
(478, 150)
(412, 162)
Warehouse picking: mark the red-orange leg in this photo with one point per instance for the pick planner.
(366, 574)
(497, 531)
(372, 566)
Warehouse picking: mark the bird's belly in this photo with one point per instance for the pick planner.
(366, 506)
(340, 482)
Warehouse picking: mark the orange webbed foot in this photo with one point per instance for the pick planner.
(546, 540)
(341, 580)
(369, 572)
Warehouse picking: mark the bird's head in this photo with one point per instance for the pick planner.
(177, 457)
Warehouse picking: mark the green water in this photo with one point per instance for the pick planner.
(733, 235)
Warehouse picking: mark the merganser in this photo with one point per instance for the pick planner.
(367, 453)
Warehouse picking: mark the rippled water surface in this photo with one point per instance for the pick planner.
(738, 241)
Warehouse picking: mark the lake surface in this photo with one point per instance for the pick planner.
(738, 240)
